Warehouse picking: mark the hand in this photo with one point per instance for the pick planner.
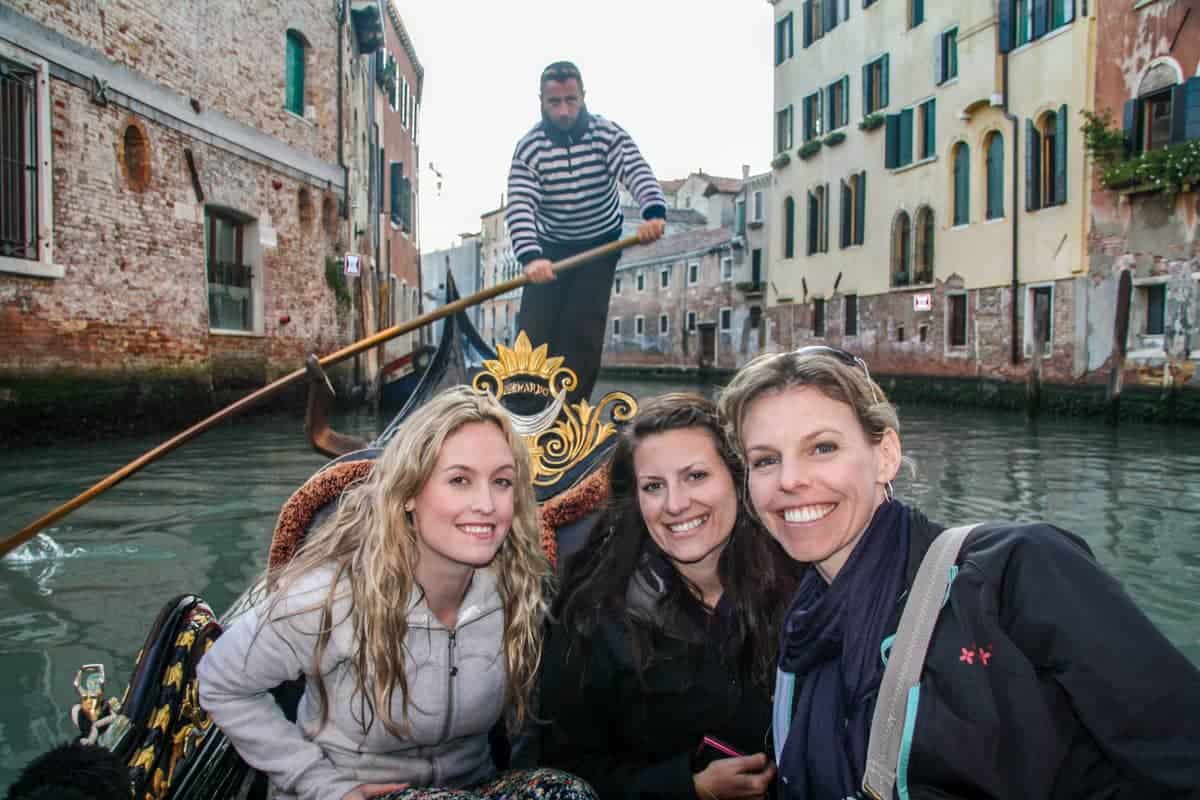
(539, 271)
(364, 791)
(744, 776)
(651, 230)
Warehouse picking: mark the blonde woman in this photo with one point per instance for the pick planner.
(414, 614)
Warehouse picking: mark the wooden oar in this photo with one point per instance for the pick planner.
(30, 530)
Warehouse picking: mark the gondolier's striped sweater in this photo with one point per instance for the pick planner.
(562, 186)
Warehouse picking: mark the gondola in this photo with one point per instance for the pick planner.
(157, 727)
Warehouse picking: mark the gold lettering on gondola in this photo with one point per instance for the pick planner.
(186, 638)
(513, 387)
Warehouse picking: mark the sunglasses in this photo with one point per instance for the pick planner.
(559, 73)
(844, 356)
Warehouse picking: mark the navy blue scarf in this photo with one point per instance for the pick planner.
(830, 642)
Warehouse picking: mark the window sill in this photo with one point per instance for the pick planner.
(1059, 31)
(36, 269)
(957, 351)
(961, 227)
(914, 165)
(994, 220)
(300, 117)
(912, 287)
(231, 332)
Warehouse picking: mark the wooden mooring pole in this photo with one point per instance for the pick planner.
(1112, 413)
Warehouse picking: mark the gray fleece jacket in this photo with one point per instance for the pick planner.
(457, 681)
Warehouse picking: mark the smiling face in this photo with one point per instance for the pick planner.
(464, 510)
(815, 477)
(687, 498)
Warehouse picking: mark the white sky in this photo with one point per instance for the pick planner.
(689, 79)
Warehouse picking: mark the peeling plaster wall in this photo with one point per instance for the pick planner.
(1153, 235)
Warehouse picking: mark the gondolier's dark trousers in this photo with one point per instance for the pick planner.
(570, 313)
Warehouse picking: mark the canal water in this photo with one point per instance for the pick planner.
(200, 520)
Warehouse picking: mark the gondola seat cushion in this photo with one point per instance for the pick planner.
(565, 518)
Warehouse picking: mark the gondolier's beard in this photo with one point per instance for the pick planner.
(573, 125)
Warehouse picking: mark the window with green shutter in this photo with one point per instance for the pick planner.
(789, 227)
(875, 85)
(995, 176)
(1033, 167)
(294, 79)
(906, 137)
(916, 12)
(784, 40)
(962, 184)
(859, 183)
(928, 120)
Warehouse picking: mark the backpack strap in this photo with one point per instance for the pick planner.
(903, 669)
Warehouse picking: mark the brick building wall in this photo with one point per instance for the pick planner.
(726, 333)
(228, 56)
(1154, 235)
(402, 147)
(125, 295)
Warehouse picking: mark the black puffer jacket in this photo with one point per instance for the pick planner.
(635, 737)
(1044, 680)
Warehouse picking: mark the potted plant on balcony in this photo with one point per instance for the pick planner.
(835, 138)
(780, 161)
(809, 149)
(871, 121)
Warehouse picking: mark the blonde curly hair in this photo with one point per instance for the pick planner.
(372, 547)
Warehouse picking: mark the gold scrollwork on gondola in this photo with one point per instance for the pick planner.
(523, 360)
(580, 429)
(560, 435)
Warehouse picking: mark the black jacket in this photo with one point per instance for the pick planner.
(636, 738)
(1045, 680)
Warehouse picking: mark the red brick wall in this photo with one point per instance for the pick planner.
(229, 56)
(134, 294)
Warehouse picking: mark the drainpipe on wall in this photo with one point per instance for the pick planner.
(1015, 350)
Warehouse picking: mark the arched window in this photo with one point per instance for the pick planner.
(901, 250)
(923, 254)
(789, 227)
(1046, 160)
(962, 184)
(294, 95)
(994, 150)
(1154, 109)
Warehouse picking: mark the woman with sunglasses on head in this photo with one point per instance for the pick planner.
(1042, 678)
(665, 628)
(415, 616)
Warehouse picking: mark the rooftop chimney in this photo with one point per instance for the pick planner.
(745, 171)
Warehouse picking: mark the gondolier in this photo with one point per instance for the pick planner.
(562, 200)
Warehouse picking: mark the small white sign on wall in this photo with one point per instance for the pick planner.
(351, 264)
(923, 302)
